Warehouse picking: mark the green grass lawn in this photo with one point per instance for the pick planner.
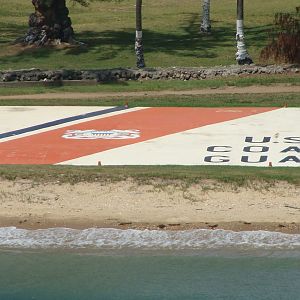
(171, 35)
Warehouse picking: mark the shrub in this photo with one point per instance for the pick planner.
(285, 39)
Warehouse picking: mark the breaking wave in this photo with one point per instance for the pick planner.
(103, 238)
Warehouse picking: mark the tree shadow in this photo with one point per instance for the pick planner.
(9, 32)
(106, 45)
(189, 42)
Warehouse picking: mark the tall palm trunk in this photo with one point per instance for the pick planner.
(140, 62)
(242, 56)
(205, 26)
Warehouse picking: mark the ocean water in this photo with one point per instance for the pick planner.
(130, 264)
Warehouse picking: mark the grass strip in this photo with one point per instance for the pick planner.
(217, 100)
(144, 174)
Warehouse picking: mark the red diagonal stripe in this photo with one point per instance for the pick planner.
(50, 148)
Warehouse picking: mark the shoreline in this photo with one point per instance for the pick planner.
(155, 205)
(237, 226)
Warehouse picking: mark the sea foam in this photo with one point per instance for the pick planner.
(104, 238)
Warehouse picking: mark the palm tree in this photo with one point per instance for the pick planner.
(140, 62)
(205, 26)
(50, 22)
(242, 56)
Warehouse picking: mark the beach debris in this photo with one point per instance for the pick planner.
(161, 226)
(22, 221)
(125, 223)
(213, 226)
(293, 207)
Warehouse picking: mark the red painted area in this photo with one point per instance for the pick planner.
(50, 148)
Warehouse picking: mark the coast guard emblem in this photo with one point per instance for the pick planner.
(93, 134)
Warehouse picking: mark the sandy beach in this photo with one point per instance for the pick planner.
(172, 205)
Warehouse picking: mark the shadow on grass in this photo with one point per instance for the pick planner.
(9, 32)
(106, 45)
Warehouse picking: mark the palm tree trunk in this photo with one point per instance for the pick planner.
(140, 62)
(205, 26)
(49, 23)
(242, 56)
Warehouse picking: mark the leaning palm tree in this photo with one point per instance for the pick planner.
(205, 26)
(242, 56)
(139, 50)
(50, 23)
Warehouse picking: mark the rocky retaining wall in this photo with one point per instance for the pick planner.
(124, 74)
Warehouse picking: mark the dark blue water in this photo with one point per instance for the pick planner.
(73, 275)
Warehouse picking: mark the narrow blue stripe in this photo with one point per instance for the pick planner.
(61, 121)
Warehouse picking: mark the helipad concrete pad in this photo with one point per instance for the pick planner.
(243, 136)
